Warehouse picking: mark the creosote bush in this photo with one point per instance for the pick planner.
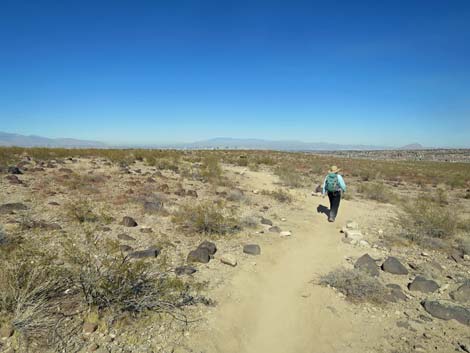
(207, 218)
(424, 218)
(211, 170)
(356, 285)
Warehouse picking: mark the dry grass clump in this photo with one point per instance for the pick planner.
(207, 218)
(376, 191)
(424, 218)
(289, 176)
(211, 170)
(83, 211)
(356, 285)
(279, 195)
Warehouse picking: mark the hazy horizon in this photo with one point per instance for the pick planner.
(386, 74)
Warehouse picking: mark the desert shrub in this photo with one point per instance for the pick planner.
(289, 176)
(424, 218)
(249, 222)
(375, 191)
(464, 244)
(279, 195)
(356, 285)
(211, 170)
(206, 218)
(83, 211)
(108, 279)
(236, 195)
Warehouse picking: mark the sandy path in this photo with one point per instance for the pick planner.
(274, 306)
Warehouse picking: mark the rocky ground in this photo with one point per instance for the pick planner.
(262, 285)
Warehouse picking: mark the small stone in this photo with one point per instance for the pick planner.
(353, 234)
(228, 259)
(394, 266)
(151, 252)
(466, 257)
(352, 225)
(367, 264)
(364, 243)
(381, 232)
(275, 229)
(266, 221)
(252, 249)
(462, 294)
(199, 255)
(125, 237)
(89, 328)
(285, 233)
(425, 254)
(255, 191)
(93, 347)
(185, 270)
(125, 248)
(210, 246)
(6, 331)
(283, 219)
(146, 230)
(129, 222)
(423, 285)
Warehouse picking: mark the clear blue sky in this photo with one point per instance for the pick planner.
(372, 72)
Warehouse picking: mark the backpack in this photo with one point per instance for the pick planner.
(331, 183)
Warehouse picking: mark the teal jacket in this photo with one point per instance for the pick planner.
(341, 183)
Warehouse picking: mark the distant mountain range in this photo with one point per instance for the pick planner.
(8, 139)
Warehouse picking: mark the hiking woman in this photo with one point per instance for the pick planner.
(333, 185)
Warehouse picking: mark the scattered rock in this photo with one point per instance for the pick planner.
(6, 331)
(285, 233)
(456, 255)
(150, 252)
(129, 222)
(228, 259)
(185, 270)
(14, 170)
(396, 294)
(11, 207)
(367, 264)
(125, 237)
(462, 294)
(13, 179)
(423, 285)
(199, 255)
(352, 225)
(446, 311)
(275, 229)
(210, 246)
(252, 249)
(126, 248)
(53, 203)
(89, 328)
(353, 234)
(394, 266)
(146, 230)
(266, 221)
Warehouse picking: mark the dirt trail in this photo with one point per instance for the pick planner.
(274, 307)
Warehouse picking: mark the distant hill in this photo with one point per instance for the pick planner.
(413, 146)
(7, 139)
(286, 145)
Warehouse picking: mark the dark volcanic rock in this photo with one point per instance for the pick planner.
(424, 285)
(367, 264)
(13, 179)
(210, 246)
(125, 237)
(150, 252)
(199, 255)
(14, 170)
(129, 222)
(396, 294)
(266, 221)
(446, 311)
(11, 207)
(462, 294)
(394, 266)
(275, 229)
(252, 249)
(185, 270)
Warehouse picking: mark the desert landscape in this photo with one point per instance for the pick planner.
(115, 250)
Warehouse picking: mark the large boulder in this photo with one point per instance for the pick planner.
(446, 311)
(367, 264)
(210, 246)
(199, 255)
(394, 266)
(423, 285)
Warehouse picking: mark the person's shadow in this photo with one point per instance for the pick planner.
(323, 209)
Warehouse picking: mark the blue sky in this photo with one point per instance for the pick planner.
(369, 72)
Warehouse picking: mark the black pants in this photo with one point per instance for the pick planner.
(335, 198)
